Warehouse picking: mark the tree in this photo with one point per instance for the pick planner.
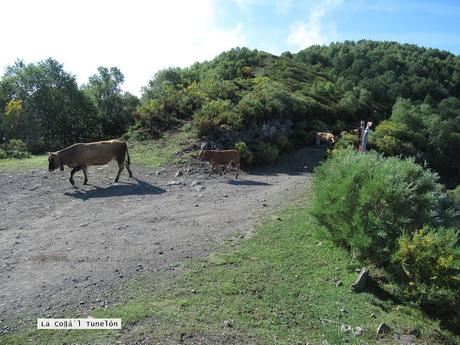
(47, 101)
(114, 108)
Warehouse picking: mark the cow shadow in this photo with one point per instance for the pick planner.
(116, 189)
(247, 183)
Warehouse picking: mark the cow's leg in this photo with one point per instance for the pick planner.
(121, 166)
(212, 169)
(129, 170)
(85, 172)
(237, 169)
(227, 166)
(74, 170)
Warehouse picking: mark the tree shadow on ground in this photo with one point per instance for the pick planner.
(117, 189)
(299, 162)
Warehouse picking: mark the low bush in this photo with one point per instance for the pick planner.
(139, 133)
(246, 156)
(347, 140)
(429, 262)
(16, 148)
(265, 153)
(283, 144)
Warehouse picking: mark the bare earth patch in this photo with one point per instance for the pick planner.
(62, 247)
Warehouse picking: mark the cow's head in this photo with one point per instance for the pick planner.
(54, 161)
(201, 155)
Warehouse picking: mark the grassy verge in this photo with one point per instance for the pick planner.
(36, 161)
(278, 287)
(150, 153)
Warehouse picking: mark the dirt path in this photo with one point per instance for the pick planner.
(62, 246)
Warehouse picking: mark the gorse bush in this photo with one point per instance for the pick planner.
(367, 201)
(429, 265)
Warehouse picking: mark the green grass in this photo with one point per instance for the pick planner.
(154, 153)
(36, 161)
(150, 153)
(278, 287)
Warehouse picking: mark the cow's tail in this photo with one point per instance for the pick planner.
(127, 154)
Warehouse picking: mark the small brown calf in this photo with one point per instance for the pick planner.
(221, 158)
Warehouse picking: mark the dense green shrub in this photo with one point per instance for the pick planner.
(283, 143)
(346, 140)
(138, 133)
(392, 139)
(367, 201)
(246, 156)
(265, 153)
(455, 193)
(16, 148)
(429, 261)
(213, 114)
(3, 154)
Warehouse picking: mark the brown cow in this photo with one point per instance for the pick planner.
(80, 156)
(325, 137)
(221, 158)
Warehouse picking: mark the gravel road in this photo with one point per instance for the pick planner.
(62, 246)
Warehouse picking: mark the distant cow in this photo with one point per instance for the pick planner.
(80, 156)
(221, 158)
(325, 137)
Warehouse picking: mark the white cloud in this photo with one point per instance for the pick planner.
(314, 30)
(139, 36)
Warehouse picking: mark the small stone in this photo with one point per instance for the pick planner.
(160, 253)
(345, 328)
(373, 315)
(225, 195)
(179, 173)
(358, 331)
(264, 205)
(193, 291)
(343, 311)
(195, 183)
(339, 283)
(360, 283)
(227, 323)
(415, 332)
(196, 205)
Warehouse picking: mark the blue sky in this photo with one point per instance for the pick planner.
(142, 36)
(267, 25)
